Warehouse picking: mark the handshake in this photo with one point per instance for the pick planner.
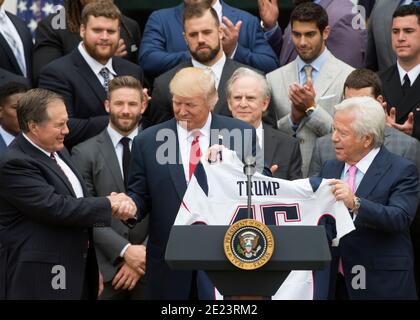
(123, 207)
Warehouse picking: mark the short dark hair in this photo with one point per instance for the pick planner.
(199, 9)
(310, 12)
(409, 10)
(101, 8)
(32, 106)
(364, 78)
(125, 82)
(10, 89)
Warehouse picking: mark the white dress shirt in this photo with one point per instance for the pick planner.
(185, 138)
(7, 26)
(216, 69)
(95, 66)
(116, 142)
(75, 183)
(7, 137)
(412, 74)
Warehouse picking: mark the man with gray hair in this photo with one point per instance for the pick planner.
(380, 190)
(248, 97)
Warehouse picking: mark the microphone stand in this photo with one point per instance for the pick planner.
(249, 170)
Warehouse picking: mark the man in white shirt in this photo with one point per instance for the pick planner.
(103, 161)
(10, 93)
(82, 77)
(401, 82)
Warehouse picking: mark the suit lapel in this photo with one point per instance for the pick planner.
(326, 76)
(66, 158)
(3, 146)
(269, 144)
(24, 40)
(176, 170)
(411, 102)
(376, 171)
(86, 72)
(5, 45)
(107, 150)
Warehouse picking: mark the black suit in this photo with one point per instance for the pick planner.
(7, 76)
(160, 107)
(404, 104)
(7, 58)
(282, 150)
(84, 95)
(43, 225)
(51, 44)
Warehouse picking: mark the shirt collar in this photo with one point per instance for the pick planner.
(364, 164)
(183, 134)
(317, 63)
(219, 10)
(36, 146)
(412, 74)
(93, 64)
(217, 68)
(116, 136)
(7, 137)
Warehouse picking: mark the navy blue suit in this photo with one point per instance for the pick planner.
(159, 189)
(84, 96)
(163, 45)
(3, 146)
(381, 242)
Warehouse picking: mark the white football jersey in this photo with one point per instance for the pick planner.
(218, 196)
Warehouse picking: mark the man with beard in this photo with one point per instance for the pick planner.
(306, 90)
(103, 162)
(348, 36)
(203, 35)
(82, 77)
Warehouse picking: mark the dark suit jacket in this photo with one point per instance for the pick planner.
(282, 150)
(43, 225)
(160, 107)
(381, 242)
(7, 58)
(158, 189)
(52, 43)
(72, 78)
(97, 162)
(163, 46)
(345, 42)
(3, 146)
(393, 94)
(7, 76)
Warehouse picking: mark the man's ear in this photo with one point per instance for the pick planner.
(82, 31)
(326, 33)
(106, 104)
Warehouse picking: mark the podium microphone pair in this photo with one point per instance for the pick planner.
(249, 171)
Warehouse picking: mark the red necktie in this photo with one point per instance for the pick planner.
(195, 154)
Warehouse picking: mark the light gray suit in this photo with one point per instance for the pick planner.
(329, 92)
(395, 141)
(97, 161)
(379, 53)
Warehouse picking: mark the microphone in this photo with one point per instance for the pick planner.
(250, 166)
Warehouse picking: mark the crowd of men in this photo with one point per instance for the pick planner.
(86, 111)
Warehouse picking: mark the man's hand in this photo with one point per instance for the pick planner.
(126, 278)
(121, 50)
(342, 192)
(269, 13)
(274, 169)
(406, 127)
(135, 257)
(146, 99)
(215, 153)
(101, 284)
(123, 207)
(302, 97)
(230, 36)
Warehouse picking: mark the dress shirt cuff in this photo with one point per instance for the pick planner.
(269, 33)
(124, 250)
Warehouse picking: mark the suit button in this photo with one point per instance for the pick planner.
(85, 255)
(301, 141)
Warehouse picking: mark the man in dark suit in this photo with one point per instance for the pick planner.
(380, 189)
(45, 222)
(7, 76)
(163, 47)
(82, 76)
(9, 127)
(203, 35)
(15, 44)
(52, 43)
(347, 40)
(359, 83)
(401, 82)
(248, 98)
(103, 162)
(164, 157)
